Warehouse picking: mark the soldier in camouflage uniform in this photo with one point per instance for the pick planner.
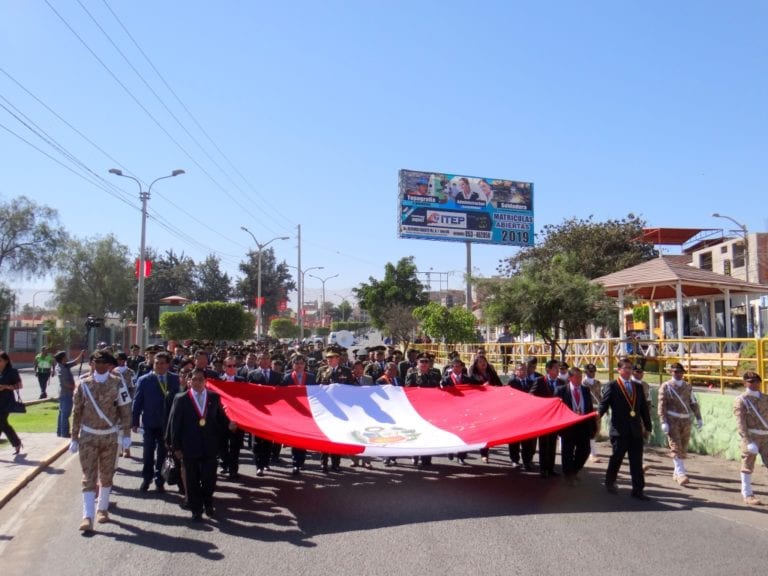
(677, 407)
(102, 407)
(333, 373)
(751, 411)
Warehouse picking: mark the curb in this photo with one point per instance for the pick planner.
(29, 476)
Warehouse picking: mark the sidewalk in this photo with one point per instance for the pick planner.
(40, 451)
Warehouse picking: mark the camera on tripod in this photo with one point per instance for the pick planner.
(92, 322)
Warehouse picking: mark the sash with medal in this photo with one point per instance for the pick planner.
(201, 410)
(629, 398)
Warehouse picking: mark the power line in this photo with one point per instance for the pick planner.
(148, 113)
(268, 205)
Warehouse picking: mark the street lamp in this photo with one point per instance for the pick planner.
(322, 308)
(301, 295)
(745, 236)
(144, 197)
(261, 247)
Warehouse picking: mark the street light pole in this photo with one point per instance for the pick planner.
(301, 295)
(144, 197)
(322, 308)
(260, 247)
(745, 236)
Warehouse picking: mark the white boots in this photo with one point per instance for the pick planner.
(680, 475)
(102, 515)
(89, 509)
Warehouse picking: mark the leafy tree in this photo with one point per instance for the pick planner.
(283, 328)
(600, 247)
(172, 274)
(400, 286)
(351, 326)
(450, 325)
(548, 300)
(178, 325)
(401, 323)
(211, 284)
(276, 282)
(98, 279)
(7, 302)
(30, 240)
(342, 312)
(222, 321)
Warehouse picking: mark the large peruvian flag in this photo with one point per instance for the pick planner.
(391, 420)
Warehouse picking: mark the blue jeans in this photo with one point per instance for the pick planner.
(65, 411)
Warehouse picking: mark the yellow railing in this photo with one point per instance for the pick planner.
(708, 361)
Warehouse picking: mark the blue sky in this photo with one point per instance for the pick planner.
(302, 113)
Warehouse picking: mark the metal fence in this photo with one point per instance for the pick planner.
(713, 362)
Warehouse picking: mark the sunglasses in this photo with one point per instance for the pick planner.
(230, 366)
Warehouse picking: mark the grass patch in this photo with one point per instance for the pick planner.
(42, 417)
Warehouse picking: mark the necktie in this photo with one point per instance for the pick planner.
(577, 396)
(267, 372)
(628, 386)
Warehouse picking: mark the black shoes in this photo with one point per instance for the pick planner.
(160, 488)
(640, 496)
(210, 512)
(612, 488)
(144, 486)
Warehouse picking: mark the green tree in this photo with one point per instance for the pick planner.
(222, 321)
(178, 325)
(211, 284)
(600, 247)
(451, 325)
(172, 274)
(283, 328)
(276, 282)
(30, 239)
(7, 302)
(98, 279)
(400, 286)
(342, 312)
(549, 300)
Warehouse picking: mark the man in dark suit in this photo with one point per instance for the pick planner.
(151, 406)
(629, 413)
(197, 422)
(232, 440)
(544, 387)
(574, 440)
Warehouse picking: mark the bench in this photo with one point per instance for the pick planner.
(726, 363)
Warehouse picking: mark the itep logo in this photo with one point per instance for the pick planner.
(446, 219)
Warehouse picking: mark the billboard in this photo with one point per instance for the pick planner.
(435, 206)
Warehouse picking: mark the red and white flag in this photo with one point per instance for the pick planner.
(391, 421)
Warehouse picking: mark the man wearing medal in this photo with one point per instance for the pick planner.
(197, 423)
(630, 423)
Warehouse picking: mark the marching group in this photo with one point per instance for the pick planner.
(163, 395)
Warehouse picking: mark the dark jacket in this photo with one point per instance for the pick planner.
(150, 406)
(187, 435)
(587, 427)
(622, 421)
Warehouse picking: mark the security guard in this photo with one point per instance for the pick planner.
(101, 408)
(751, 411)
(677, 406)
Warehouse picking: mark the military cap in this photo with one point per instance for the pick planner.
(752, 377)
(676, 366)
(380, 348)
(331, 353)
(101, 356)
(590, 368)
(564, 365)
(637, 367)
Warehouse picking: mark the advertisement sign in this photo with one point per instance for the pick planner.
(435, 206)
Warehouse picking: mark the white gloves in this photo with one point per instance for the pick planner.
(752, 448)
(126, 442)
(73, 446)
(665, 427)
(699, 424)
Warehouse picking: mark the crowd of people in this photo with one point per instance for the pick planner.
(162, 394)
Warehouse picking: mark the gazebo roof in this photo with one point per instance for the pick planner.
(657, 279)
(176, 299)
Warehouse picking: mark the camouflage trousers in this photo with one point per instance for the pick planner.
(679, 436)
(747, 459)
(98, 459)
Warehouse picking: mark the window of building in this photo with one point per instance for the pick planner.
(705, 261)
(738, 255)
(727, 267)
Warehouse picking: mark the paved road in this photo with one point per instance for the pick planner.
(480, 519)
